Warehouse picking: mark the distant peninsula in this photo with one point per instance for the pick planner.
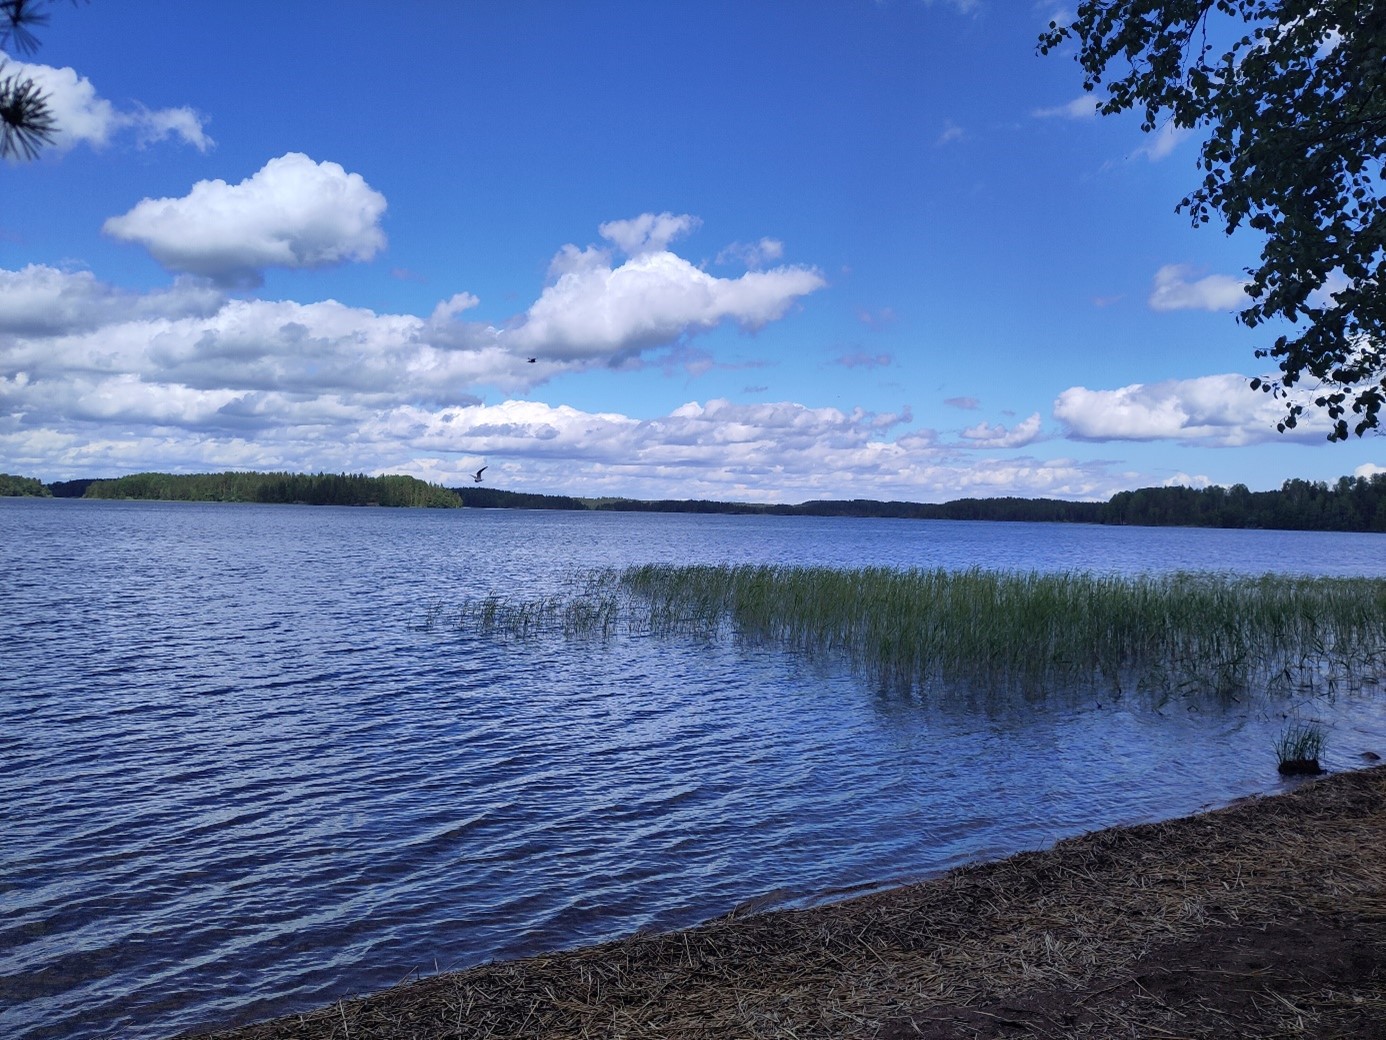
(1349, 504)
(317, 489)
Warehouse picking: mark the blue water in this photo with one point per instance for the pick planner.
(240, 778)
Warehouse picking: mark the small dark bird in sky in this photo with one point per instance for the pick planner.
(477, 475)
(533, 360)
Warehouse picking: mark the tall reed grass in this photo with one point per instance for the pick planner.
(986, 631)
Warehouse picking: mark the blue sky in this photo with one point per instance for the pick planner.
(767, 251)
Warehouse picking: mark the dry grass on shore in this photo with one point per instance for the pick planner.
(1264, 919)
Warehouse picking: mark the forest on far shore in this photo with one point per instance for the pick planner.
(317, 489)
(1349, 504)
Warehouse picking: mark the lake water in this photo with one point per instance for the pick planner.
(240, 778)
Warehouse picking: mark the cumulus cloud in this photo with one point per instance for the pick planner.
(68, 326)
(1176, 290)
(594, 309)
(84, 117)
(1219, 411)
(293, 213)
(449, 309)
(985, 435)
(647, 233)
(75, 351)
(114, 382)
(96, 380)
(44, 301)
(781, 451)
(594, 314)
(1182, 479)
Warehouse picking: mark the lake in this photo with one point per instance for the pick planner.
(241, 777)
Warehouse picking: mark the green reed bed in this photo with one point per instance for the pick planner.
(988, 630)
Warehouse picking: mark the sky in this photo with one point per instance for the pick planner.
(743, 250)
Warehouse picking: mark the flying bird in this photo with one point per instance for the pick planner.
(477, 475)
(533, 360)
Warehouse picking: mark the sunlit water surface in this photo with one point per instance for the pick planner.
(239, 777)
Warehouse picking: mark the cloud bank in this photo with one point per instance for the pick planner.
(95, 380)
(986, 435)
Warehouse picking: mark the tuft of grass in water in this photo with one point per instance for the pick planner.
(994, 631)
(1299, 748)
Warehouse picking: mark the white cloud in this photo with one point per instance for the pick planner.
(55, 323)
(449, 309)
(780, 451)
(594, 310)
(985, 435)
(1219, 411)
(1082, 107)
(293, 213)
(951, 132)
(44, 301)
(1163, 141)
(77, 353)
(151, 126)
(95, 380)
(115, 382)
(84, 117)
(752, 254)
(63, 326)
(647, 233)
(1174, 291)
(1368, 469)
(1182, 479)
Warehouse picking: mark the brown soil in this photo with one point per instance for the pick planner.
(1265, 919)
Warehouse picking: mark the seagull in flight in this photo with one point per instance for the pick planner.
(476, 477)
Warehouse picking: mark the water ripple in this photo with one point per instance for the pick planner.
(239, 780)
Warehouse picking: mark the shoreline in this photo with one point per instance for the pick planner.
(1263, 918)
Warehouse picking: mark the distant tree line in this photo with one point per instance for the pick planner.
(685, 505)
(1350, 504)
(70, 488)
(317, 489)
(19, 487)
(1039, 510)
(490, 498)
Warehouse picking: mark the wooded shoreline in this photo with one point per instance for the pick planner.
(1349, 504)
(1263, 919)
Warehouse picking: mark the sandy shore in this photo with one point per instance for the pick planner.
(1264, 919)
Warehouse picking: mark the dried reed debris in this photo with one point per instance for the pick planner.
(1117, 932)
